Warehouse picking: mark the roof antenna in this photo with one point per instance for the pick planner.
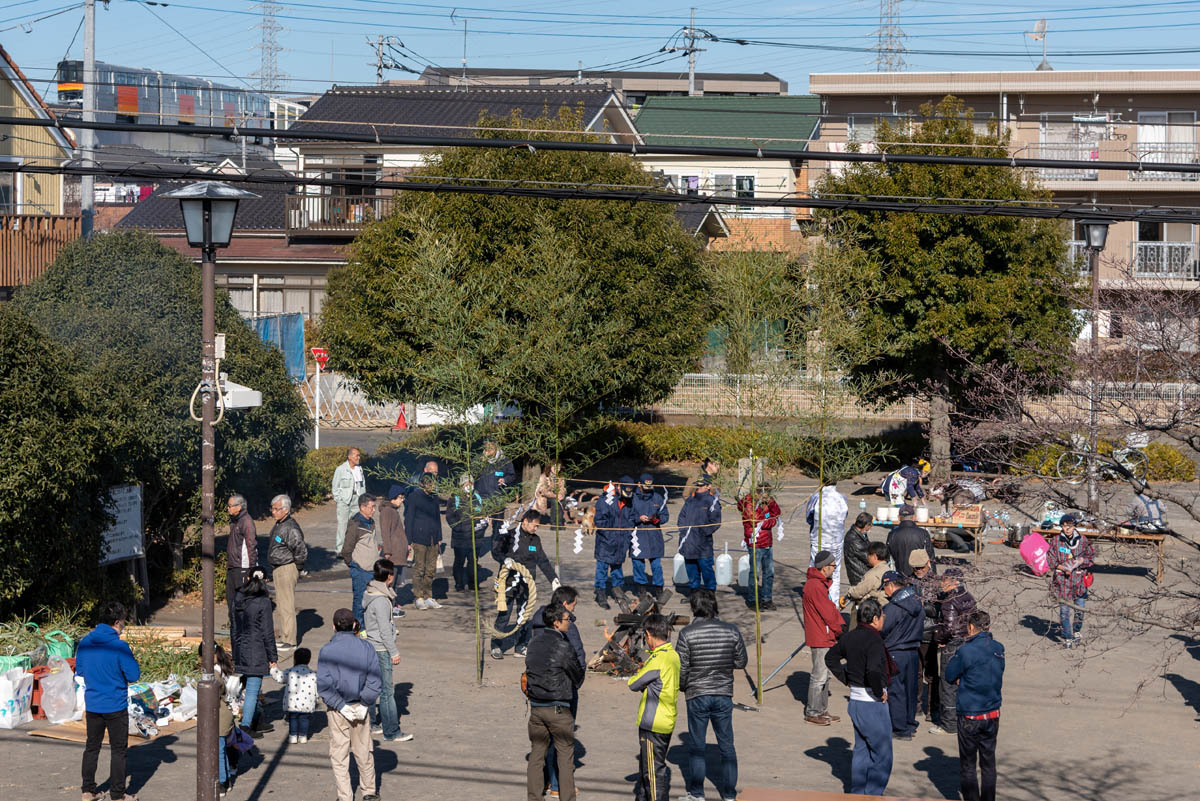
(1038, 34)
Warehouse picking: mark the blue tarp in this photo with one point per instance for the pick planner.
(286, 332)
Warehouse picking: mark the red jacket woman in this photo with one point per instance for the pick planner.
(760, 516)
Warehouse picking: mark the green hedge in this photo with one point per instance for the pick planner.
(1167, 462)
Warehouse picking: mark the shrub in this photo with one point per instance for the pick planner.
(1169, 463)
(316, 472)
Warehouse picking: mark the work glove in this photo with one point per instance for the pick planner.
(509, 563)
(347, 711)
(554, 585)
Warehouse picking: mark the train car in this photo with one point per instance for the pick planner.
(137, 95)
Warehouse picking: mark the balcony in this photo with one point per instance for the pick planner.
(1165, 260)
(1074, 151)
(1151, 153)
(334, 215)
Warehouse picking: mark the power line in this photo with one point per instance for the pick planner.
(189, 41)
(632, 149)
(644, 195)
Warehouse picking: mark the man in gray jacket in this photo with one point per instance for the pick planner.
(348, 484)
(286, 554)
(710, 650)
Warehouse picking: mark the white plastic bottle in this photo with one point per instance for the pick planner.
(744, 577)
(679, 569)
(724, 568)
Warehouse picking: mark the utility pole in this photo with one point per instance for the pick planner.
(691, 33)
(87, 136)
(464, 74)
(379, 60)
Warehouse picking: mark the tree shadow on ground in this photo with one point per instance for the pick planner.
(837, 754)
(942, 770)
(1110, 778)
(1190, 690)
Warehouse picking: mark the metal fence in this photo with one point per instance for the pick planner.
(343, 405)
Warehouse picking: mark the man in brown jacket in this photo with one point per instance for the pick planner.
(871, 585)
(394, 538)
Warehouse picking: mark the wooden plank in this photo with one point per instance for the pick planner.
(29, 243)
(75, 731)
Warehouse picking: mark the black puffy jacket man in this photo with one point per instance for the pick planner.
(906, 538)
(854, 548)
(903, 627)
(522, 547)
(710, 650)
(552, 675)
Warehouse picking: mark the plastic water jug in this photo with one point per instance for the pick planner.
(679, 569)
(745, 577)
(724, 568)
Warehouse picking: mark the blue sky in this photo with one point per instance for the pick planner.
(324, 40)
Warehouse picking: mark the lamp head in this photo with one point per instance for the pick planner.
(217, 201)
(1095, 233)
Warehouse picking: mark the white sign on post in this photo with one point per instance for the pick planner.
(123, 539)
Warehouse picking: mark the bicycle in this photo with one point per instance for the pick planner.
(1127, 462)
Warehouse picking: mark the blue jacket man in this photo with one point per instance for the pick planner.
(646, 543)
(108, 667)
(614, 525)
(699, 520)
(349, 682)
(978, 667)
(903, 627)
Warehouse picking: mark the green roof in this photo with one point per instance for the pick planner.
(730, 121)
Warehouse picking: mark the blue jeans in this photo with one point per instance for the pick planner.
(359, 579)
(719, 710)
(299, 723)
(904, 690)
(253, 686)
(871, 765)
(639, 572)
(389, 718)
(551, 756)
(1064, 614)
(605, 571)
(222, 761)
(766, 574)
(700, 574)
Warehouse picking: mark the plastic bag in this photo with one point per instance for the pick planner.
(80, 695)
(58, 692)
(165, 689)
(140, 723)
(59, 645)
(16, 698)
(188, 703)
(141, 694)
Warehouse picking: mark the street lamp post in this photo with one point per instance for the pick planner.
(1095, 233)
(209, 208)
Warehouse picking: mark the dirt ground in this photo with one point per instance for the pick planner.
(1117, 718)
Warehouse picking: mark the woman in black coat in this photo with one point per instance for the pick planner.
(254, 639)
(855, 548)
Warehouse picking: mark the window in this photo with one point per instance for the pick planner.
(862, 127)
(686, 184)
(728, 185)
(8, 192)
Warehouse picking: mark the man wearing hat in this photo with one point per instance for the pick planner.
(822, 625)
(699, 520)
(349, 682)
(906, 538)
(927, 586)
(954, 606)
(646, 541)
(903, 627)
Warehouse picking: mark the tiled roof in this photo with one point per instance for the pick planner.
(264, 213)
(264, 249)
(439, 111)
(483, 72)
(729, 121)
(120, 156)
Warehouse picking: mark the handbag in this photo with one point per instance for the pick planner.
(240, 740)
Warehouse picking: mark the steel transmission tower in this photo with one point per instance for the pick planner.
(889, 43)
(270, 79)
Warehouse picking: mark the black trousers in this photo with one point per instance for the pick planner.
(931, 677)
(654, 775)
(977, 741)
(949, 692)
(461, 568)
(117, 726)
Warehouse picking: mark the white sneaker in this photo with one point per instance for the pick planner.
(303, 739)
(432, 604)
(293, 738)
(420, 604)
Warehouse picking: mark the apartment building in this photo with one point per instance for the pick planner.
(1143, 117)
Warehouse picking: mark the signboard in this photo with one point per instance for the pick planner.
(127, 100)
(320, 356)
(123, 539)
